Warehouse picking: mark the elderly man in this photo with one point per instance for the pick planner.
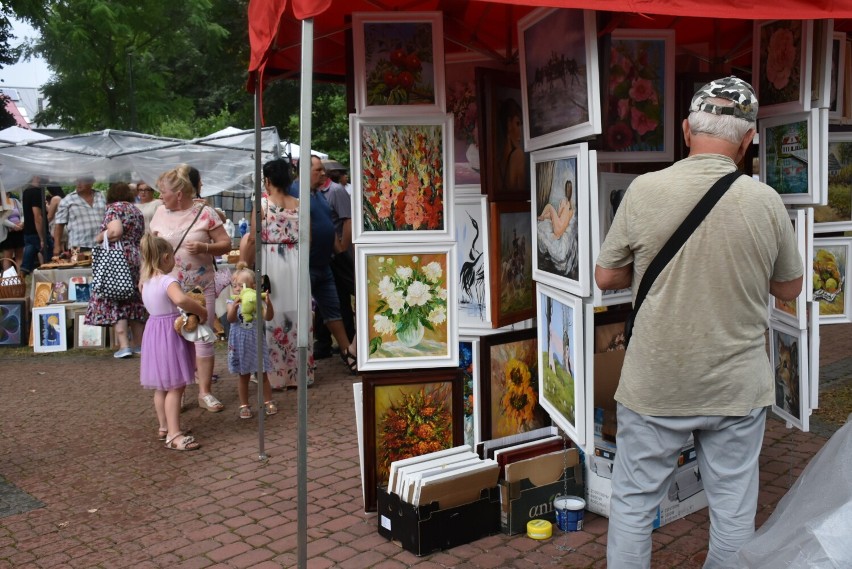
(697, 364)
(82, 211)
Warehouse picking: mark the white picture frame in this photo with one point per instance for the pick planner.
(794, 312)
(782, 87)
(788, 349)
(560, 253)
(789, 150)
(823, 31)
(380, 146)
(813, 347)
(837, 215)
(611, 188)
(473, 264)
(471, 432)
(831, 259)
(379, 39)
(50, 331)
(559, 42)
(562, 331)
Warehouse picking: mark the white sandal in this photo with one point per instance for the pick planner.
(210, 403)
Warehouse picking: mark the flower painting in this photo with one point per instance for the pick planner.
(399, 61)
(510, 385)
(402, 184)
(638, 112)
(781, 54)
(409, 312)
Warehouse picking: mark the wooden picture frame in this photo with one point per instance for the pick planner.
(50, 331)
(390, 398)
(473, 264)
(793, 312)
(504, 156)
(611, 189)
(509, 356)
(13, 322)
(561, 356)
(398, 63)
(469, 363)
(838, 76)
(789, 156)
(402, 190)
(86, 336)
(781, 70)
(639, 101)
(405, 308)
(788, 352)
(559, 76)
(512, 285)
(561, 221)
(837, 215)
(831, 262)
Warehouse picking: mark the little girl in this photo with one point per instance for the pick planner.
(168, 360)
(242, 342)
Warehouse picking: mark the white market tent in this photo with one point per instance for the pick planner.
(15, 134)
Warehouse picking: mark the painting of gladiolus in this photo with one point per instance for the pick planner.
(780, 62)
(402, 178)
(636, 113)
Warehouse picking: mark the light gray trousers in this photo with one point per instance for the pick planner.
(727, 450)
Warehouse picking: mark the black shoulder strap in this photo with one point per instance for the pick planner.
(682, 233)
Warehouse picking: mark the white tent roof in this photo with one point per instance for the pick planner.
(294, 151)
(15, 134)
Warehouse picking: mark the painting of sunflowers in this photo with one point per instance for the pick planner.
(509, 386)
(408, 414)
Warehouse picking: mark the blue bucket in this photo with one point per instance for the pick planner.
(569, 512)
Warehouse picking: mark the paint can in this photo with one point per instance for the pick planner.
(569, 512)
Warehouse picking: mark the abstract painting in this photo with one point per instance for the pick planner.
(13, 324)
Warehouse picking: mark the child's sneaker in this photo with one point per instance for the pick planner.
(245, 412)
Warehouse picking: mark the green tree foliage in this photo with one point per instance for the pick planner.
(329, 121)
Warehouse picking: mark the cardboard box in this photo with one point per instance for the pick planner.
(529, 487)
(428, 528)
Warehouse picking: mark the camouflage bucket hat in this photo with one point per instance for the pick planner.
(730, 88)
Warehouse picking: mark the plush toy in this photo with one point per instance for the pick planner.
(189, 322)
(248, 301)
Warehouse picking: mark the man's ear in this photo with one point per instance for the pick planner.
(746, 142)
(687, 134)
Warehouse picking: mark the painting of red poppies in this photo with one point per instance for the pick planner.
(638, 109)
(399, 62)
(781, 68)
(401, 187)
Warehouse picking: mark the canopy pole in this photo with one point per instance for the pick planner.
(304, 312)
(258, 267)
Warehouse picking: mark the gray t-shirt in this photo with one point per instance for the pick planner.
(698, 345)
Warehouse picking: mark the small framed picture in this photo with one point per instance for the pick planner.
(473, 264)
(611, 189)
(793, 311)
(789, 156)
(837, 214)
(830, 278)
(13, 322)
(469, 365)
(512, 285)
(87, 336)
(50, 333)
(788, 347)
(781, 68)
(399, 63)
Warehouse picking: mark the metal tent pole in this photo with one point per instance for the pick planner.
(258, 266)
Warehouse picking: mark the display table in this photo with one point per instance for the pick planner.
(53, 276)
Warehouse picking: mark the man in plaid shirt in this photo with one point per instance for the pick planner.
(82, 212)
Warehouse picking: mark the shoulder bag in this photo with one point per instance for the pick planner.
(111, 276)
(675, 242)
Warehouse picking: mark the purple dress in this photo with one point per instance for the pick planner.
(168, 361)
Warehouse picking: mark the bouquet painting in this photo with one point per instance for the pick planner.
(407, 298)
(514, 389)
(780, 62)
(399, 63)
(403, 177)
(635, 106)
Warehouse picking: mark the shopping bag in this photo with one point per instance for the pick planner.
(111, 276)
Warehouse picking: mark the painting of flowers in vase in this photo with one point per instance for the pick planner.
(510, 387)
(407, 308)
(401, 182)
(781, 66)
(638, 109)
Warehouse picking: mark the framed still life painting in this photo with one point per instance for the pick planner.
(788, 352)
(403, 188)
(50, 333)
(13, 322)
(837, 214)
(789, 156)
(512, 285)
(781, 70)
(559, 76)
(509, 384)
(793, 311)
(611, 189)
(406, 308)
(638, 97)
(830, 277)
(473, 262)
(560, 360)
(469, 365)
(560, 204)
(399, 62)
(408, 413)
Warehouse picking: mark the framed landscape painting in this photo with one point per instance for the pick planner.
(398, 62)
(406, 306)
(50, 333)
(559, 76)
(638, 87)
(560, 360)
(473, 262)
(560, 205)
(408, 413)
(788, 349)
(509, 384)
(830, 278)
(837, 215)
(13, 322)
(781, 71)
(611, 189)
(402, 190)
(793, 312)
(789, 156)
(512, 286)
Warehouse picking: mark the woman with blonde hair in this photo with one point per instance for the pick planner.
(196, 233)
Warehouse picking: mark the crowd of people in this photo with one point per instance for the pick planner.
(170, 243)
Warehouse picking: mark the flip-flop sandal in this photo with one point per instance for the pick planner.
(187, 442)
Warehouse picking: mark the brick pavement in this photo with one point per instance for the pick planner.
(78, 435)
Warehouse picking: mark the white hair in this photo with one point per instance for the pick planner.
(726, 127)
